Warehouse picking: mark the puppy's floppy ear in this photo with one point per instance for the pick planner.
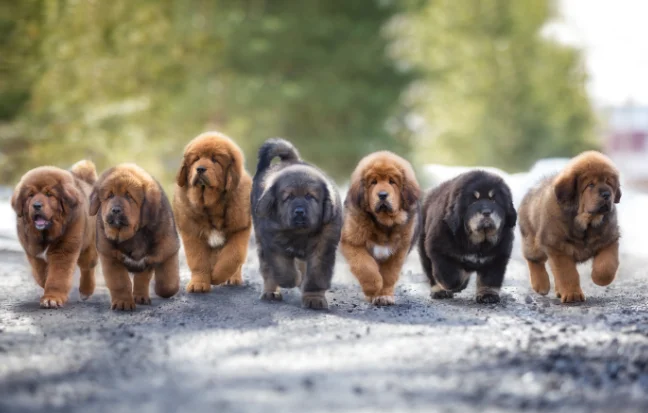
(233, 172)
(70, 196)
(453, 215)
(181, 177)
(18, 199)
(266, 204)
(356, 194)
(565, 187)
(95, 203)
(410, 192)
(617, 194)
(511, 214)
(151, 205)
(329, 205)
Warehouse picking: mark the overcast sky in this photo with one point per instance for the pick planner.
(614, 36)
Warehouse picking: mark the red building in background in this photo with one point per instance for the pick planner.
(626, 142)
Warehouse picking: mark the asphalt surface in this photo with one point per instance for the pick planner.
(228, 352)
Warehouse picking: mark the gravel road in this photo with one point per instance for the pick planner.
(227, 351)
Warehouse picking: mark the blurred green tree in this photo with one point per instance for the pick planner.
(120, 80)
(494, 90)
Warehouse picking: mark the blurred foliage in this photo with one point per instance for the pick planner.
(126, 80)
(121, 80)
(493, 90)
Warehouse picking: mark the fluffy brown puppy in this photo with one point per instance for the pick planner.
(568, 219)
(381, 222)
(212, 207)
(136, 234)
(55, 229)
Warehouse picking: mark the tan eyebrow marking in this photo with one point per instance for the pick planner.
(477, 195)
(491, 193)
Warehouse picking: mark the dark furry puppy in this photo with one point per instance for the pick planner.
(468, 227)
(297, 218)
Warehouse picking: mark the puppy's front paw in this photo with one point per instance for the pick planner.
(121, 304)
(235, 280)
(383, 300)
(487, 297)
(315, 302)
(142, 299)
(52, 300)
(271, 296)
(571, 296)
(198, 287)
(439, 293)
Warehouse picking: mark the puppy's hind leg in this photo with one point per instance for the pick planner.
(537, 271)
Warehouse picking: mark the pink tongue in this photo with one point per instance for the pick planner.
(40, 221)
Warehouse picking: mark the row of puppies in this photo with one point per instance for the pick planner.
(465, 225)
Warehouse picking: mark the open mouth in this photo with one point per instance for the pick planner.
(41, 223)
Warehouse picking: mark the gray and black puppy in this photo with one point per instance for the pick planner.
(297, 218)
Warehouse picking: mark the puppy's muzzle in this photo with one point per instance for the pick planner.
(383, 204)
(299, 217)
(116, 217)
(605, 204)
(41, 222)
(200, 178)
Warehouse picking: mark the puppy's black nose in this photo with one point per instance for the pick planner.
(486, 212)
(300, 212)
(606, 195)
(201, 169)
(383, 195)
(37, 206)
(116, 210)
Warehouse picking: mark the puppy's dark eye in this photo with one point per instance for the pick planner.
(127, 196)
(374, 182)
(48, 194)
(591, 185)
(110, 196)
(392, 182)
(214, 159)
(309, 197)
(290, 197)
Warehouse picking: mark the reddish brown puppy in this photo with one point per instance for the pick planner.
(55, 229)
(212, 207)
(136, 234)
(570, 218)
(381, 222)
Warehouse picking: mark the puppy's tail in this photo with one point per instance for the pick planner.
(273, 148)
(85, 170)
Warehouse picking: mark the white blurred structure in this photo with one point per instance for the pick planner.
(626, 142)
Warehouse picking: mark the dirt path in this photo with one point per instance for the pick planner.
(228, 352)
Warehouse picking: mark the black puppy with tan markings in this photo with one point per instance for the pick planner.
(468, 227)
(136, 234)
(297, 218)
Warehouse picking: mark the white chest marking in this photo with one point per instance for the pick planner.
(381, 252)
(475, 259)
(216, 239)
(43, 255)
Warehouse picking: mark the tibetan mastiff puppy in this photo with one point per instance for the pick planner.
(136, 234)
(568, 219)
(468, 226)
(381, 223)
(297, 218)
(212, 209)
(56, 230)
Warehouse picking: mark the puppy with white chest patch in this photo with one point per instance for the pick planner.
(381, 223)
(468, 226)
(212, 209)
(297, 218)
